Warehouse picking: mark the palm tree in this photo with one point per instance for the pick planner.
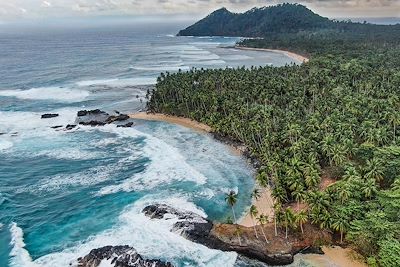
(253, 214)
(277, 213)
(340, 224)
(301, 218)
(299, 195)
(288, 220)
(369, 188)
(374, 169)
(263, 219)
(256, 194)
(231, 199)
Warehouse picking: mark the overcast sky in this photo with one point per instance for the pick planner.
(39, 9)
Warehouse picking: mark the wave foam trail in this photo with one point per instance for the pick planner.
(62, 94)
(167, 166)
(19, 255)
(151, 238)
(120, 82)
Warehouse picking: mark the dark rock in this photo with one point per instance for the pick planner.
(70, 126)
(92, 123)
(82, 113)
(49, 115)
(312, 250)
(56, 127)
(119, 117)
(126, 125)
(120, 256)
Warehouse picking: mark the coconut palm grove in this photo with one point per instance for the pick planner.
(326, 132)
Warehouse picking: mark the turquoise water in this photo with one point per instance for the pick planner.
(63, 193)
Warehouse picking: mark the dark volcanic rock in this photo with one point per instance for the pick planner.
(120, 256)
(70, 126)
(119, 117)
(126, 125)
(49, 115)
(92, 123)
(82, 113)
(278, 251)
(97, 117)
(56, 127)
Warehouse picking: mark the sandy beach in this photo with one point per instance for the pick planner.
(172, 119)
(287, 53)
(264, 204)
(335, 256)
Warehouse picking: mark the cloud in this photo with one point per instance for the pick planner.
(54, 8)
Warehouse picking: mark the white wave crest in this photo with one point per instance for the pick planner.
(19, 255)
(120, 82)
(61, 94)
(167, 165)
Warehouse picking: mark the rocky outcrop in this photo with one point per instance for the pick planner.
(232, 237)
(118, 256)
(49, 115)
(97, 117)
(126, 125)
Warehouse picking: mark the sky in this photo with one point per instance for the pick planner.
(44, 9)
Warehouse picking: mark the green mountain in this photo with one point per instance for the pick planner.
(267, 21)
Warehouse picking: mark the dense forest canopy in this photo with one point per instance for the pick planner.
(268, 21)
(327, 132)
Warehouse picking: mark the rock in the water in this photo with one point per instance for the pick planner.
(126, 125)
(119, 256)
(70, 126)
(49, 115)
(56, 127)
(97, 117)
(119, 117)
(82, 113)
(92, 123)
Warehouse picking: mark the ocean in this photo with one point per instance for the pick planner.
(63, 193)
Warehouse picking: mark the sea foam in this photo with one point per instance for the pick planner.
(167, 165)
(61, 94)
(151, 238)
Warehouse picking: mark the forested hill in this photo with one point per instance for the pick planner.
(262, 22)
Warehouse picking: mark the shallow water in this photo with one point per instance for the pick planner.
(63, 193)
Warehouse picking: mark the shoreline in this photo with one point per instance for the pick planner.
(292, 55)
(194, 125)
(264, 203)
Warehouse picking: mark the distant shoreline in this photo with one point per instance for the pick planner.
(287, 53)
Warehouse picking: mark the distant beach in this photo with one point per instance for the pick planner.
(287, 53)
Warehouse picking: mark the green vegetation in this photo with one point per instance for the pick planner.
(327, 132)
(274, 20)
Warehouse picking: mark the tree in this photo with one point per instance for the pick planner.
(262, 220)
(301, 218)
(231, 199)
(253, 214)
(256, 194)
(288, 218)
(340, 224)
